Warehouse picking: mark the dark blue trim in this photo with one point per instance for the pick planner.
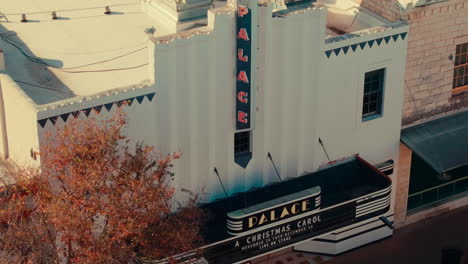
(379, 41)
(345, 49)
(243, 159)
(108, 106)
(371, 117)
(337, 51)
(98, 108)
(42, 122)
(387, 39)
(65, 117)
(403, 35)
(363, 44)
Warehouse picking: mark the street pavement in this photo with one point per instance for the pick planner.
(418, 243)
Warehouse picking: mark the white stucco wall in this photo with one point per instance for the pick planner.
(18, 123)
(298, 95)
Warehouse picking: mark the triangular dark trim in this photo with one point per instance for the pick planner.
(379, 41)
(140, 98)
(53, 119)
(403, 35)
(98, 108)
(75, 114)
(371, 42)
(362, 45)
(150, 96)
(387, 39)
(337, 51)
(42, 122)
(328, 53)
(108, 106)
(120, 103)
(65, 117)
(345, 49)
(354, 46)
(87, 111)
(395, 37)
(130, 101)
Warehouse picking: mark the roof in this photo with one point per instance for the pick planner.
(441, 143)
(82, 35)
(342, 182)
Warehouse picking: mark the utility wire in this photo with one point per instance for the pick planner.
(43, 87)
(98, 62)
(69, 10)
(40, 61)
(106, 70)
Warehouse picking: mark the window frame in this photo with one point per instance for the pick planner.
(380, 96)
(458, 64)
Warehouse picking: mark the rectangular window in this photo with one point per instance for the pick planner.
(373, 94)
(460, 72)
(242, 142)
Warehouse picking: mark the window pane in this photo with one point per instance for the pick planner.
(373, 92)
(457, 60)
(460, 81)
(464, 47)
(242, 142)
(463, 59)
(459, 47)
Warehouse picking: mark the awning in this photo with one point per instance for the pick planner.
(442, 143)
(279, 215)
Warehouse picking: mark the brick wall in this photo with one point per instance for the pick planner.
(435, 30)
(389, 9)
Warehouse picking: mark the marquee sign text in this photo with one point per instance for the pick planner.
(244, 25)
(273, 212)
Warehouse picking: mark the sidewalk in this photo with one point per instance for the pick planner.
(418, 243)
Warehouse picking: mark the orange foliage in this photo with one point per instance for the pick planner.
(100, 199)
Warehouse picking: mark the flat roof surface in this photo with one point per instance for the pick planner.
(82, 35)
(340, 183)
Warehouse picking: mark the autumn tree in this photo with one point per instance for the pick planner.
(102, 199)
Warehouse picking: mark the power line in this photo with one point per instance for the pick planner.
(70, 10)
(98, 62)
(40, 61)
(106, 70)
(43, 87)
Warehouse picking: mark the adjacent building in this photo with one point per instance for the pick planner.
(432, 170)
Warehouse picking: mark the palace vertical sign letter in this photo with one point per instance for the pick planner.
(243, 96)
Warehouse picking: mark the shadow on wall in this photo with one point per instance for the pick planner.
(30, 72)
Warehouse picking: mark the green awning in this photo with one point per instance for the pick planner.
(442, 143)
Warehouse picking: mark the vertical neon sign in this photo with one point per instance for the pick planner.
(243, 37)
